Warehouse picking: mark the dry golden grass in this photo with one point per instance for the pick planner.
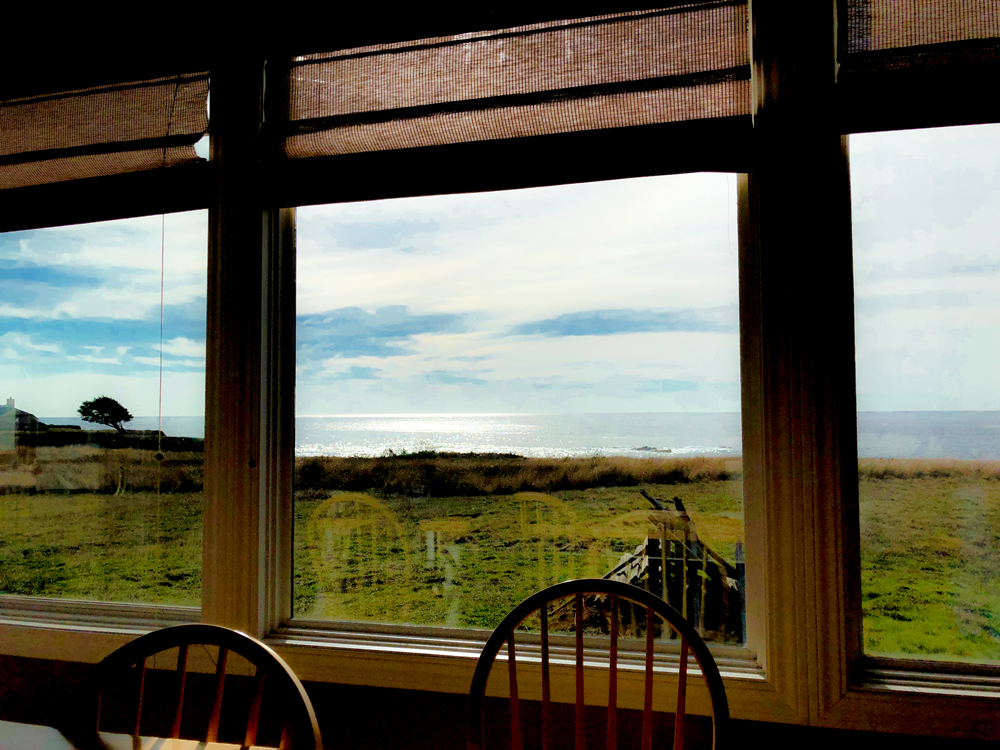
(449, 475)
(927, 468)
(88, 468)
(17, 478)
(68, 453)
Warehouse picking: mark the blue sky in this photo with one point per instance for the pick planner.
(618, 296)
(80, 315)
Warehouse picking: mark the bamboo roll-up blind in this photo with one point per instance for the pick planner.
(677, 64)
(101, 131)
(894, 24)
(918, 63)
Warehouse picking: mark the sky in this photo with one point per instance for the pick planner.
(926, 226)
(604, 297)
(80, 315)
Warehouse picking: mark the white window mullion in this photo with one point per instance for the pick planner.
(804, 457)
(277, 437)
(236, 520)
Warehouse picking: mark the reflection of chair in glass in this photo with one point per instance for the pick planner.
(590, 607)
(123, 693)
(355, 546)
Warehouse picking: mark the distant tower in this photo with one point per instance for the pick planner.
(10, 402)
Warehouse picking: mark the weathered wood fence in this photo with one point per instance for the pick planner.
(687, 573)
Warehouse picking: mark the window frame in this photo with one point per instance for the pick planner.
(803, 663)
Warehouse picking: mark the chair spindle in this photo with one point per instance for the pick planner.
(681, 697)
(142, 690)
(182, 655)
(546, 684)
(515, 704)
(580, 733)
(254, 718)
(647, 708)
(220, 680)
(286, 734)
(613, 677)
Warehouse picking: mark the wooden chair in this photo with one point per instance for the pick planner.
(591, 606)
(125, 672)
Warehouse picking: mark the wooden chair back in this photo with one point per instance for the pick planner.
(274, 689)
(602, 606)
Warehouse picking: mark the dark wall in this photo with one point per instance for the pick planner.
(32, 691)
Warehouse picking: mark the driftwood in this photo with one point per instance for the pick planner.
(682, 569)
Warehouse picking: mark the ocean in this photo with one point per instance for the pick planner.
(939, 434)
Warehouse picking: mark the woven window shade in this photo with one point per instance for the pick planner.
(894, 24)
(678, 64)
(101, 131)
(918, 63)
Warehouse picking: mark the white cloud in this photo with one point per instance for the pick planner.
(170, 363)
(123, 262)
(24, 341)
(94, 360)
(23, 313)
(183, 347)
(656, 242)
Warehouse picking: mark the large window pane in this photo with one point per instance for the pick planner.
(485, 383)
(105, 508)
(927, 275)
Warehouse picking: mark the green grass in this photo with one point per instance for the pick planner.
(465, 561)
(81, 522)
(930, 558)
(437, 539)
(136, 547)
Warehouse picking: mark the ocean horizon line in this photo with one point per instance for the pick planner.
(528, 414)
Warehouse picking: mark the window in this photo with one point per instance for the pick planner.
(485, 383)
(927, 270)
(96, 503)
(719, 108)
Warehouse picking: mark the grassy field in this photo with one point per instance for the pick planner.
(465, 561)
(457, 540)
(930, 558)
(137, 547)
(83, 523)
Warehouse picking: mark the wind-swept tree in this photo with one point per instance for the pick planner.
(105, 410)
